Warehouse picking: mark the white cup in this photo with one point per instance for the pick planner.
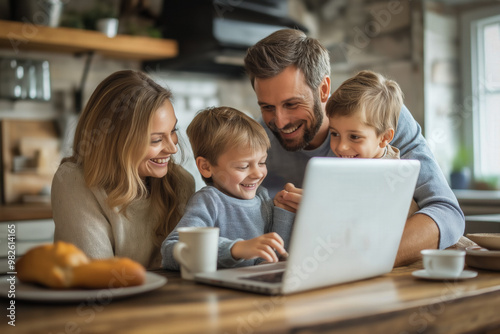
(443, 263)
(197, 250)
(108, 27)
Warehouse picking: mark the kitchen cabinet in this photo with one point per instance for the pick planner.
(28, 140)
(28, 37)
(30, 157)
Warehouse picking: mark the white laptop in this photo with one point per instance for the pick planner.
(348, 227)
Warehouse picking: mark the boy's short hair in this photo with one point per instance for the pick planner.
(377, 98)
(215, 130)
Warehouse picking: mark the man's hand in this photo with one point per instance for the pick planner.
(289, 198)
(262, 246)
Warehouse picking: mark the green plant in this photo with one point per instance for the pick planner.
(462, 159)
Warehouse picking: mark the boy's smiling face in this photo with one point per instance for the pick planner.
(350, 137)
(238, 172)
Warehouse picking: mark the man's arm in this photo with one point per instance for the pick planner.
(433, 195)
(420, 232)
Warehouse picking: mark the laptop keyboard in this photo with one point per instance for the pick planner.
(275, 277)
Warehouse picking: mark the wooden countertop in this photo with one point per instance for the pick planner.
(15, 212)
(392, 303)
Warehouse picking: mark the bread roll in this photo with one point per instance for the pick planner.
(63, 265)
(110, 273)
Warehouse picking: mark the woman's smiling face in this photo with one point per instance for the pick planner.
(163, 142)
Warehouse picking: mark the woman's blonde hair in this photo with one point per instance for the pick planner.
(111, 141)
(377, 98)
(213, 131)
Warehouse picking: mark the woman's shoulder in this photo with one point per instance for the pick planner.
(68, 172)
(69, 183)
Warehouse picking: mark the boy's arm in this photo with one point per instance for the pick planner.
(437, 201)
(263, 247)
(282, 224)
(280, 220)
(201, 211)
(196, 215)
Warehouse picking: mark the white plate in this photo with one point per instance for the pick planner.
(32, 292)
(463, 275)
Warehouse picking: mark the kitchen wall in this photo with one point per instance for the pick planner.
(413, 42)
(360, 34)
(418, 44)
(442, 82)
(447, 109)
(383, 36)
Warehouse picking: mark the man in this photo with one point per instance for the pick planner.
(290, 74)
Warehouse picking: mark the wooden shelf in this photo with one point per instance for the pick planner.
(24, 36)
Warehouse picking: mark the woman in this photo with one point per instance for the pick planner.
(121, 193)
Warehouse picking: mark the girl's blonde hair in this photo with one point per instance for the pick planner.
(213, 131)
(111, 141)
(377, 98)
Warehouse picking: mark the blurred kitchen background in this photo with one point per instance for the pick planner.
(445, 54)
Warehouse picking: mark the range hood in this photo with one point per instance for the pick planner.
(213, 35)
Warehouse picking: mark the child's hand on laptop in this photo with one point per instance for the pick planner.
(288, 198)
(263, 246)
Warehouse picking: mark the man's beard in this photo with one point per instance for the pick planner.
(309, 132)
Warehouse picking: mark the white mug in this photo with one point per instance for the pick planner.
(108, 26)
(197, 250)
(444, 263)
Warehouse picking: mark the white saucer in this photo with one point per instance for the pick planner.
(463, 275)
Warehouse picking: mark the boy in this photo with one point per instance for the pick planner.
(363, 116)
(230, 149)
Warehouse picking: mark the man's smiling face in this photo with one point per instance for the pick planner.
(291, 110)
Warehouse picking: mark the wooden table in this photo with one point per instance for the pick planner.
(392, 303)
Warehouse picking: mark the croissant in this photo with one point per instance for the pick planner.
(63, 265)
